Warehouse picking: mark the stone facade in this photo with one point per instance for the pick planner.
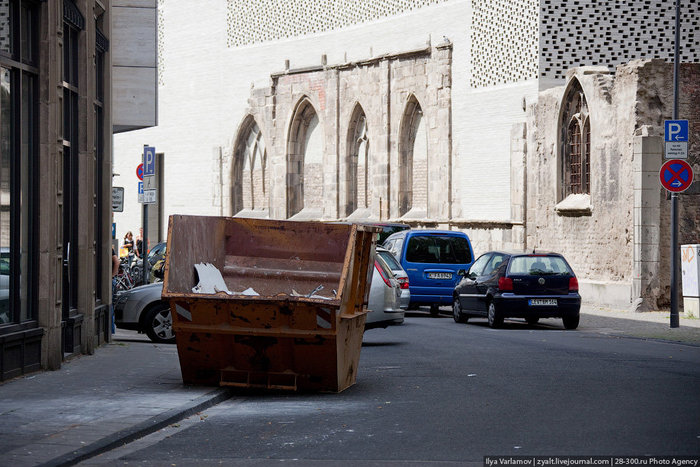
(404, 104)
(618, 238)
(374, 116)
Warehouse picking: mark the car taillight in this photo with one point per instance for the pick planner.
(505, 284)
(403, 282)
(379, 270)
(573, 284)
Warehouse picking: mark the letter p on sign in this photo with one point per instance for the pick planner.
(149, 161)
(676, 130)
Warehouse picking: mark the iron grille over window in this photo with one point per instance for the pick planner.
(101, 42)
(72, 15)
(576, 147)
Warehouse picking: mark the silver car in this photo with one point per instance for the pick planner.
(399, 273)
(384, 303)
(143, 310)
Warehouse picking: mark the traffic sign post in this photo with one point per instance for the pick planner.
(149, 195)
(671, 131)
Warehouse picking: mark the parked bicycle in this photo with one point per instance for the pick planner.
(124, 279)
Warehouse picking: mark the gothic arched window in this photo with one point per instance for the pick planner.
(413, 160)
(250, 187)
(576, 143)
(357, 163)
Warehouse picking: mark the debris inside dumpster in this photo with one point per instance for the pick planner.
(211, 281)
(312, 294)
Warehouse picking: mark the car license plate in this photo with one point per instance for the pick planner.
(439, 275)
(543, 302)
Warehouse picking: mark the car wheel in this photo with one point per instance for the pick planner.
(495, 318)
(457, 314)
(570, 322)
(532, 320)
(434, 310)
(158, 324)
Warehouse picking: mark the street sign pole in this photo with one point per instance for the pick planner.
(674, 196)
(144, 240)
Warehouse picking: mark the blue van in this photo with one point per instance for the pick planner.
(432, 259)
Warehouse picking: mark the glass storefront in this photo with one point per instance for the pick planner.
(18, 152)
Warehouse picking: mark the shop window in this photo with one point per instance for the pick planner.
(18, 153)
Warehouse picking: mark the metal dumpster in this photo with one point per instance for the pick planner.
(303, 331)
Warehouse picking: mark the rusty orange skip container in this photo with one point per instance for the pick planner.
(281, 338)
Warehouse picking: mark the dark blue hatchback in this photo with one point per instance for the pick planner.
(518, 285)
(432, 260)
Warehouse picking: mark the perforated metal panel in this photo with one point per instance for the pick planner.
(268, 20)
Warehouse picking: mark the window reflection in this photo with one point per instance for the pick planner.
(5, 133)
(27, 150)
(5, 27)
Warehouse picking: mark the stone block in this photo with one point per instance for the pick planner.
(652, 145)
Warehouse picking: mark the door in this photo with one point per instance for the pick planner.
(467, 288)
(69, 296)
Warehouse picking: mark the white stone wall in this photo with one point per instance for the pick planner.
(205, 87)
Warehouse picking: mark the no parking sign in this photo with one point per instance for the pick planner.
(676, 175)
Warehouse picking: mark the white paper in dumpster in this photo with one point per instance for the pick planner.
(211, 281)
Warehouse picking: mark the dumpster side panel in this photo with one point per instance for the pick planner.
(191, 240)
(357, 273)
(349, 343)
(239, 342)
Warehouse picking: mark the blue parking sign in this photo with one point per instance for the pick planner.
(676, 130)
(149, 161)
(140, 188)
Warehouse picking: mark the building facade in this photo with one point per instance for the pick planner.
(431, 112)
(592, 150)
(56, 168)
(56, 118)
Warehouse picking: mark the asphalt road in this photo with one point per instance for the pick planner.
(433, 392)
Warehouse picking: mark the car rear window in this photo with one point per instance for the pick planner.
(438, 249)
(380, 264)
(539, 265)
(390, 260)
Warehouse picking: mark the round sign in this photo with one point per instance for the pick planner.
(139, 171)
(676, 175)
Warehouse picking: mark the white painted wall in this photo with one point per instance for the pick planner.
(206, 85)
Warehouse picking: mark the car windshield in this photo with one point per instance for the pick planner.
(390, 260)
(157, 250)
(383, 267)
(539, 265)
(438, 249)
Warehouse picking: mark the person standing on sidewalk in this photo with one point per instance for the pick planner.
(115, 271)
